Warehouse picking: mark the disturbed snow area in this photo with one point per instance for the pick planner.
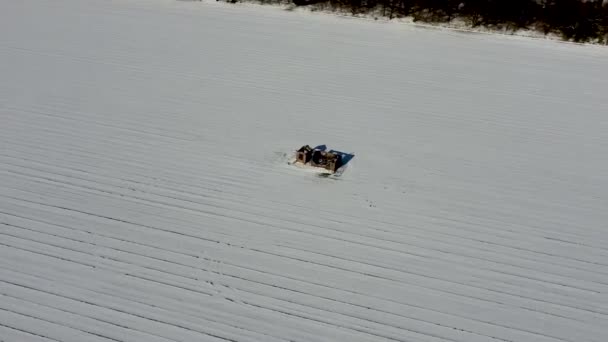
(145, 193)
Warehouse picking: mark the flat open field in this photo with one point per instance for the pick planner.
(145, 193)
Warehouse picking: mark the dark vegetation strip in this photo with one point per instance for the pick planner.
(573, 20)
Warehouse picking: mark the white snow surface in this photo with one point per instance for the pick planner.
(145, 193)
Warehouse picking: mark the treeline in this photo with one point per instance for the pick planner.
(575, 20)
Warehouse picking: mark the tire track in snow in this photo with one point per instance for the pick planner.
(7, 330)
(243, 290)
(257, 205)
(246, 291)
(398, 250)
(422, 255)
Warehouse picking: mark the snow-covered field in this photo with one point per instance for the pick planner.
(145, 195)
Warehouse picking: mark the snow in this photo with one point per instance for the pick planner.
(145, 193)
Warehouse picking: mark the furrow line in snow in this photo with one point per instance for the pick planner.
(89, 309)
(55, 316)
(87, 173)
(21, 333)
(393, 279)
(212, 335)
(426, 278)
(84, 334)
(198, 236)
(17, 244)
(516, 267)
(106, 325)
(318, 319)
(128, 143)
(140, 156)
(401, 281)
(99, 161)
(494, 326)
(214, 205)
(24, 111)
(242, 290)
(131, 299)
(221, 324)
